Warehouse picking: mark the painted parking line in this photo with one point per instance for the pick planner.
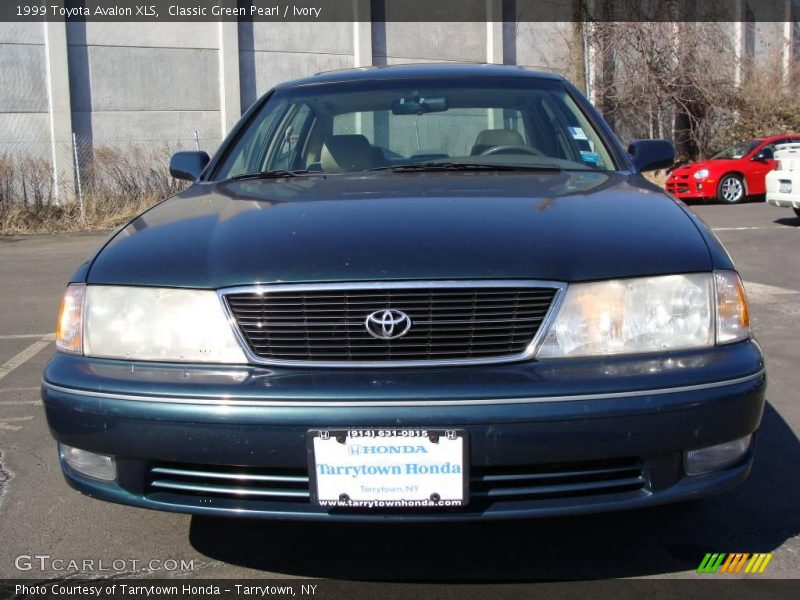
(754, 228)
(27, 391)
(27, 354)
(6, 424)
(766, 293)
(24, 336)
(19, 402)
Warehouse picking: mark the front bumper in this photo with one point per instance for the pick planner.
(690, 189)
(572, 419)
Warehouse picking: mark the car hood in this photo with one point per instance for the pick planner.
(711, 165)
(566, 226)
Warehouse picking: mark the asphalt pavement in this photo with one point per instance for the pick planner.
(40, 516)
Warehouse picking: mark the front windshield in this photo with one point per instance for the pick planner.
(737, 151)
(369, 125)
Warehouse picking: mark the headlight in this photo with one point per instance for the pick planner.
(147, 324)
(650, 314)
(701, 174)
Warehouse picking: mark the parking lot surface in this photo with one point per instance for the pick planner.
(41, 516)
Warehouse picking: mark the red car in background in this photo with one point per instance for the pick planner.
(729, 176)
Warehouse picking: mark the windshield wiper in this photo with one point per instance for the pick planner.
(463, 166)
(276, 174)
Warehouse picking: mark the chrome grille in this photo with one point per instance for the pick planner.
(450, 322)
(488, 485)
(557, 480)
(230, 482)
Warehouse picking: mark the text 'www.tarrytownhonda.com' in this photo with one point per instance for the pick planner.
(388, 503)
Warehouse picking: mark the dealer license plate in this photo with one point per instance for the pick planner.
(785, 187)
(388, 468)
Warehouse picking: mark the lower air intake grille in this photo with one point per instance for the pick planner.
(488, 485)
(247, 483)
(557, 480)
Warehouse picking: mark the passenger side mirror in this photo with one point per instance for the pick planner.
(188, 165)
(649, 155)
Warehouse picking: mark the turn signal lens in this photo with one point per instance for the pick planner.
(733, 314)
(69, 330)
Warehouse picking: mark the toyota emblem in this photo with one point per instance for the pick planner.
(387, 324)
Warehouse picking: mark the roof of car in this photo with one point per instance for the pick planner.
(772, 138)
(414, 71)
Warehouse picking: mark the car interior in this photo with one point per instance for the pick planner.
(348, 133)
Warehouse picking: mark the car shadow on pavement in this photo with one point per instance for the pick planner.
(792, 222)
(758, 516)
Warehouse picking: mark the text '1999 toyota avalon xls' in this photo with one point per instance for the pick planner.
(413, 293)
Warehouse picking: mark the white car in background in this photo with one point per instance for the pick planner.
(783, 183)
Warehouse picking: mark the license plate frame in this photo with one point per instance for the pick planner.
(403, 436)
(784, 187)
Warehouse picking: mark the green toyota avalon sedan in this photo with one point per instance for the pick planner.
(409, 293)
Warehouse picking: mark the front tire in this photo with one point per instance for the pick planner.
(730, 189)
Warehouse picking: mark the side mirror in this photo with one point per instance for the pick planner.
(649, 155)
(188, 165)
(764, 155)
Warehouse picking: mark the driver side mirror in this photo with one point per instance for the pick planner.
(649, 155)
(764, 155)
(188, 165)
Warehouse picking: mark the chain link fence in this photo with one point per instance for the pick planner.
(86, 181)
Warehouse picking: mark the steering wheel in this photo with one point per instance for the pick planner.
(511, 149)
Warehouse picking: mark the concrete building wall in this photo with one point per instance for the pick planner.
(24, 116)
(399, 43)
(546, 46)
(768, 44)
(145, 82)
(271, 53)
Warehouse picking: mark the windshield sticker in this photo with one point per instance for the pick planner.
(591, 158)
(577, 133)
